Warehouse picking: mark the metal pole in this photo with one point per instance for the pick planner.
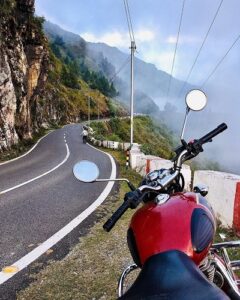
(88, 111)
(185, 121)
(133, 48)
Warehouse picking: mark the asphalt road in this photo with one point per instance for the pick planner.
(31, 213)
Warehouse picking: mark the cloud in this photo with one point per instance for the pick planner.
(183, 39)
(115, 39)
(162, 60)
(145, 35)
(119, 39)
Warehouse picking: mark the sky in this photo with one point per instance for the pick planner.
(156, 24)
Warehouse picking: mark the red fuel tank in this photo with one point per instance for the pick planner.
(182, 223)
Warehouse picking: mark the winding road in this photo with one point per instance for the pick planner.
(40, 200)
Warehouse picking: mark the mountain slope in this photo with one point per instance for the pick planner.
(150, 83)
(98, 62)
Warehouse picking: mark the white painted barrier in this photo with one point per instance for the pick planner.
(105, 144)
(222, 194)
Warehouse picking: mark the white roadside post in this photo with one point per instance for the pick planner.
(133, 49)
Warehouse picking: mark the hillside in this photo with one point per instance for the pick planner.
(77, 87)
(39, 84)
(150, 83)
(154, 139)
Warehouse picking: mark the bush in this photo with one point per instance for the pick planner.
(113, 137)
(7, 7)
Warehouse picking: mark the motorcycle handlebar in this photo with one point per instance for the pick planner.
(116, 216)
(126, 204)
(208, 137)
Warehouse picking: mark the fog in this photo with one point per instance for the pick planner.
(223, 93)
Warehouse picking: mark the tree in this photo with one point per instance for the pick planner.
(69, 79)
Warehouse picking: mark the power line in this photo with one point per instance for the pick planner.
(175, 51)
(129, 20)
(201, 47)
(220, 61)
(120, 69)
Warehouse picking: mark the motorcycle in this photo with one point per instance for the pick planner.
(84, 139)
(170, 237)
(85, 134)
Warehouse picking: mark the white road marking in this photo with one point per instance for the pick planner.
(41, 249)
(40, 176)
(11, 160)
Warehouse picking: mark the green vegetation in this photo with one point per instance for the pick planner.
(73, 89)
(202, 163)
(74, 67)
(7, 7)
(155, 139)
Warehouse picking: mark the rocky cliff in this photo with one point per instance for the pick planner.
(39, 87)
(23, 71)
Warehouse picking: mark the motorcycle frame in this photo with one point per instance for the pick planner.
(222, 263)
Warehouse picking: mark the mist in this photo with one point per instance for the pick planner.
(151, 97)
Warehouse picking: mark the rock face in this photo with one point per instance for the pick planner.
(24, 63)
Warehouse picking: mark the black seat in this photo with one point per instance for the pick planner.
(172, 275)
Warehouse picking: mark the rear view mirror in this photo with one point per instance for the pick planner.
(196, 100)
(86, 171)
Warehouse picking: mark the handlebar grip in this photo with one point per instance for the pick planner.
(116, 216)
(206, 138)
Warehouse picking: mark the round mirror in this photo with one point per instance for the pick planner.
(86, 171)
(196, 100)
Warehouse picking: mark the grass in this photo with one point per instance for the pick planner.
(234, 253)
(155, 139)
(92, 269)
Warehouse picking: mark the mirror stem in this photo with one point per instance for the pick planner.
(116, 179)
(185, 122)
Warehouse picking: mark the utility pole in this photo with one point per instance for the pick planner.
(88, 111)
(133, 49)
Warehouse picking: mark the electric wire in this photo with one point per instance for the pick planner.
(120, 69)
(129, 22)
(201, 47)
(220, 61)
(130, 19)
(175, 50)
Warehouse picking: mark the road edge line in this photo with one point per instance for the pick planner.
(39, 176)
(29, 151)
(54, 239)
